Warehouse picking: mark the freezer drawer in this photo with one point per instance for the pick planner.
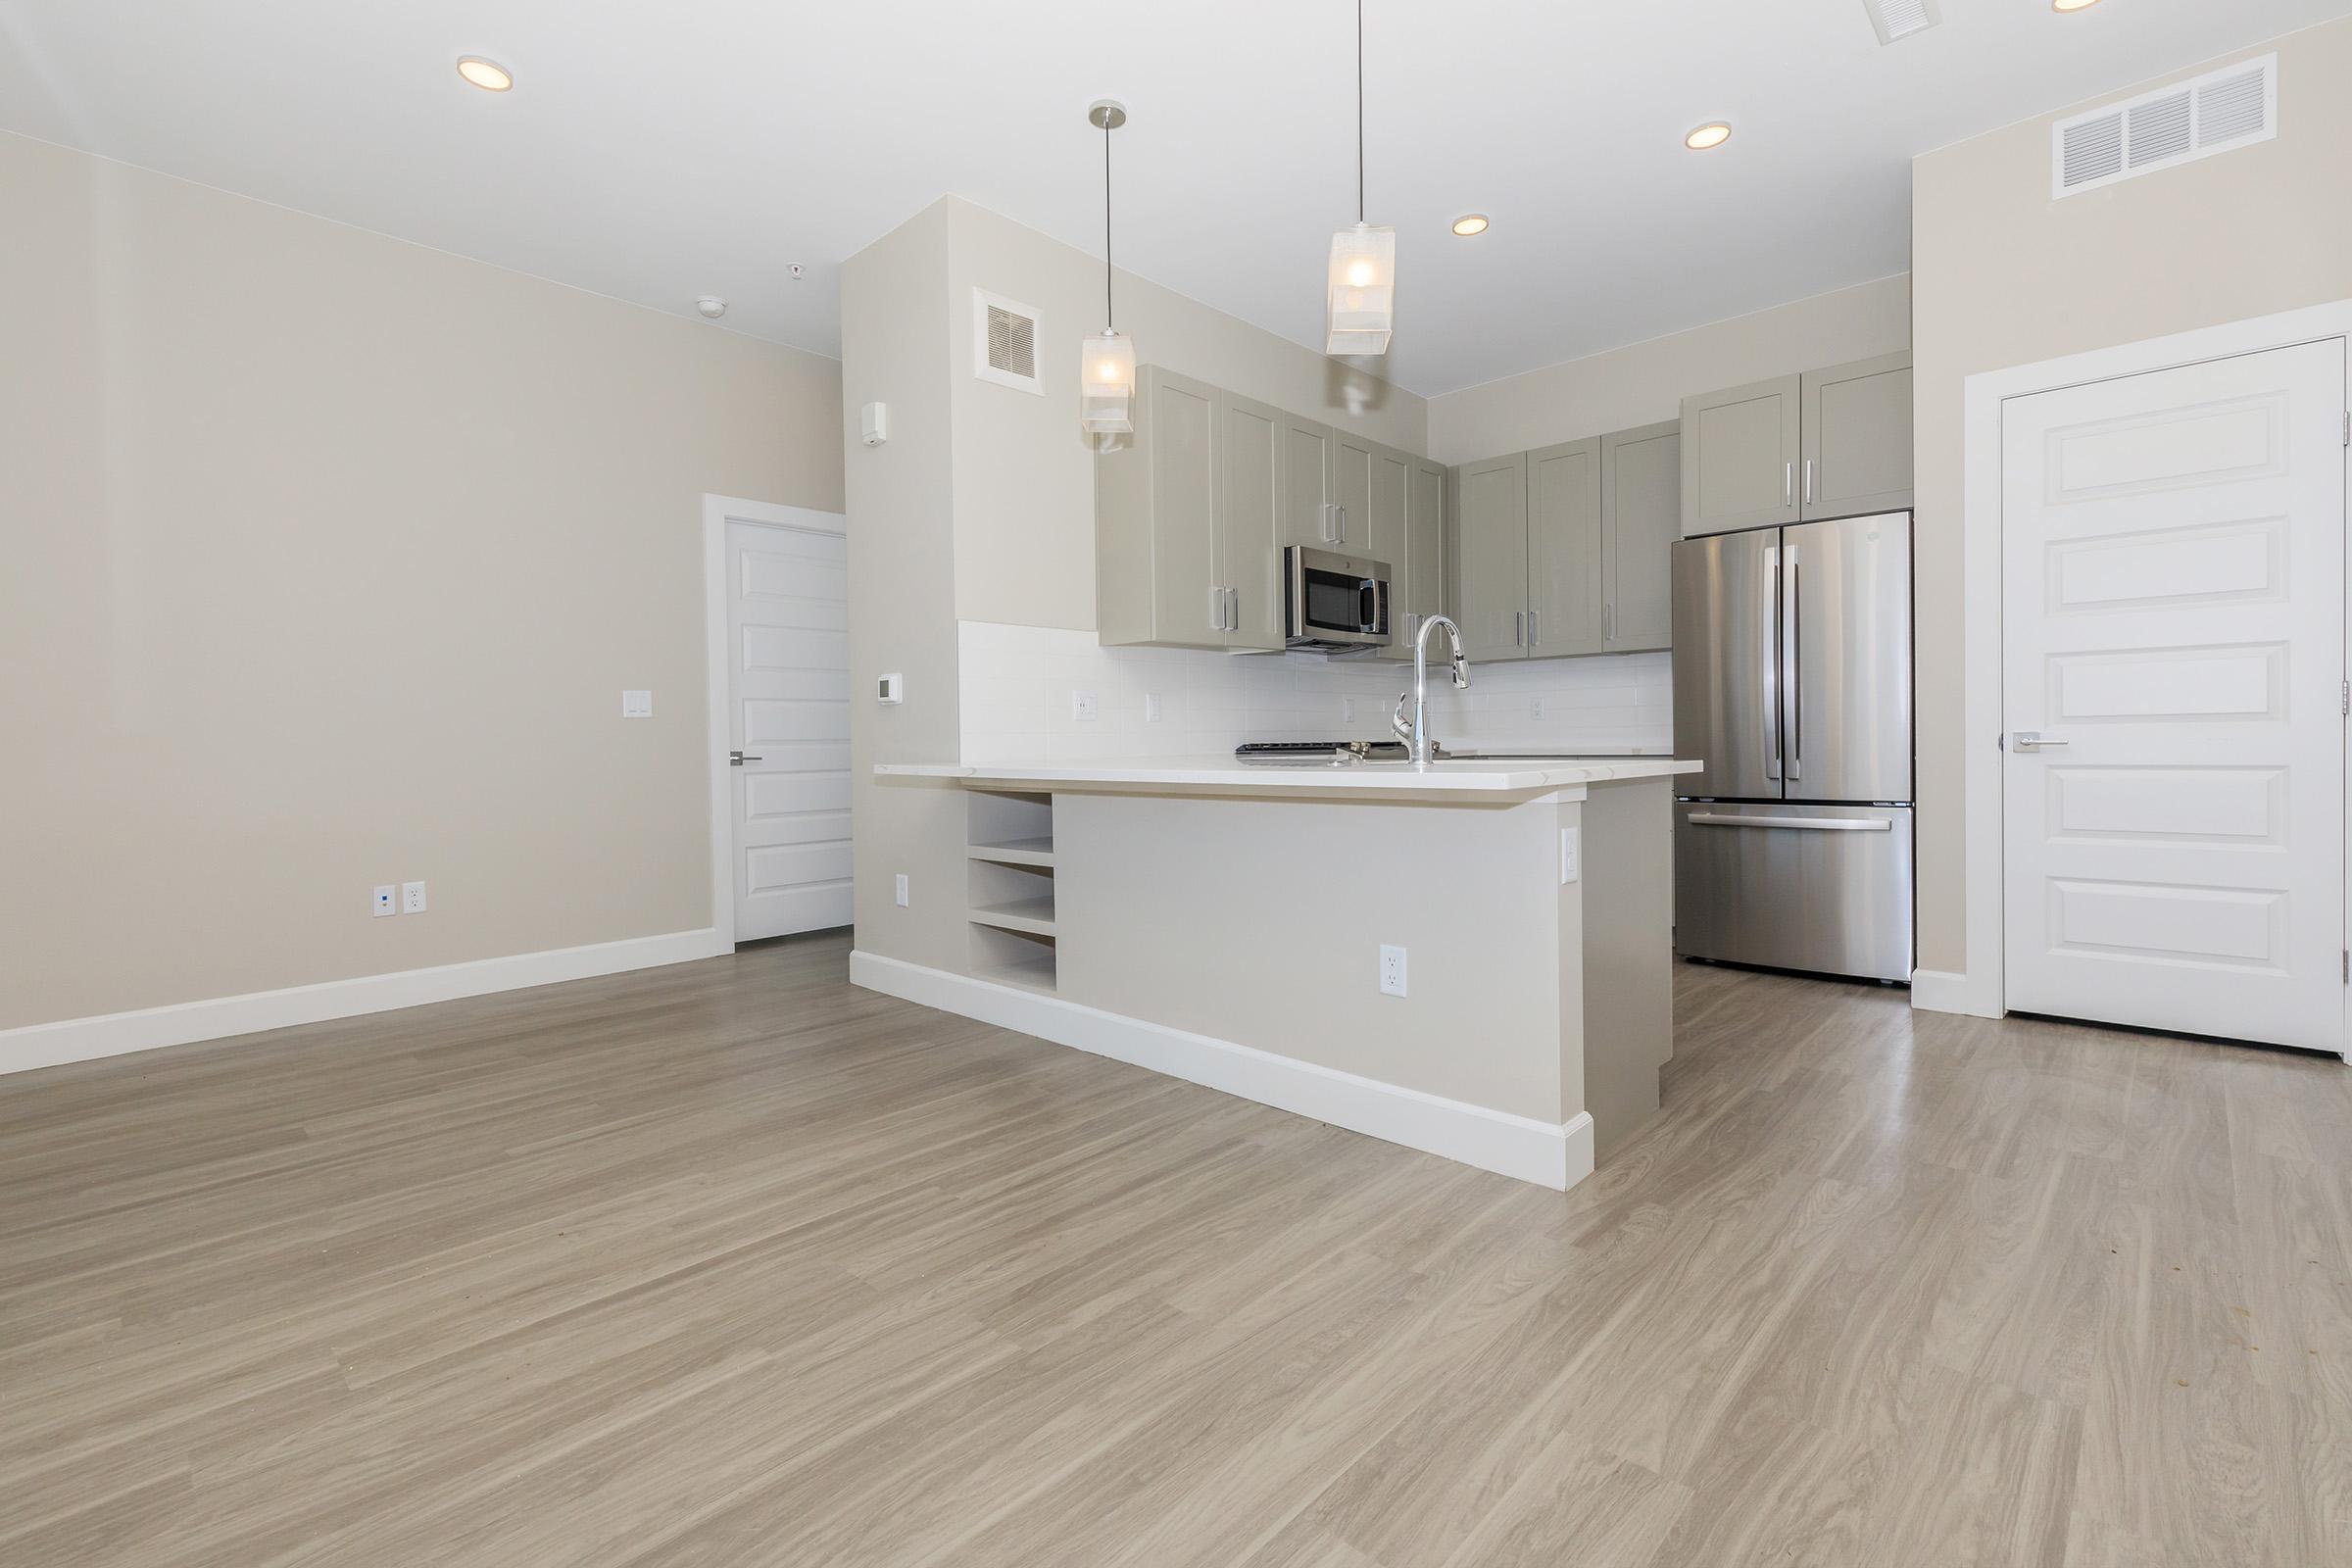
(1820, 888)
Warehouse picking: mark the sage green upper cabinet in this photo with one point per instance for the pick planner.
(1857, 438)
(1390, 522)
(1307, 466)
(1248, 558)
(1739, 457)
(1155, 520)
(1563, 550)
(1355, 473)
(1421, 591)
(1640, 516)
(1186, 510)
(1491, 540)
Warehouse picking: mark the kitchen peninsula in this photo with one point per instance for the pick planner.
(1470, 959)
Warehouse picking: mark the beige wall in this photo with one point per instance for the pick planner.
(1645, 383)
(1025, 473)
(2004, 275)
(327, 560)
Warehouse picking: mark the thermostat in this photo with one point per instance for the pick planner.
(890, 689)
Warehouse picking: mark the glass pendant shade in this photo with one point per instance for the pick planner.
(1107, 384)
(1362, 290)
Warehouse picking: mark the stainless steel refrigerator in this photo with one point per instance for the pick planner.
(1793, 682)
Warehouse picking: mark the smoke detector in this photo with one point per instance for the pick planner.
(1897, 19)
(712, 307)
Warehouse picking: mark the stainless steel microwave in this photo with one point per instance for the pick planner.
(1334, 602)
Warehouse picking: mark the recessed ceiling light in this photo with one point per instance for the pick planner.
(1714, 134)
(487, 74)
(2072, 5)
(1470, 224)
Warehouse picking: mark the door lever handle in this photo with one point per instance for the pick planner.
(2031, 740)
(738, 758)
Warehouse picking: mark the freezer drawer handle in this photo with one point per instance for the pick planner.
(1808, 825)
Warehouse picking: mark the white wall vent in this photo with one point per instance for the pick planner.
(2219, 113)
(1005, 342)
(1897, 19)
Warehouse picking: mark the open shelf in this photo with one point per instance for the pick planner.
(1013, 958)
(1016, 851)
(1009, 897)
(1033, 916)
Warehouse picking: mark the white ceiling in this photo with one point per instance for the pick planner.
(655, 150)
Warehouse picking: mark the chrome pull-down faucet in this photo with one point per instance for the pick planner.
(1416, 734)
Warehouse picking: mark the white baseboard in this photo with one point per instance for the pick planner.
(47, 1045)
(1943, 991)
(1554, 1156)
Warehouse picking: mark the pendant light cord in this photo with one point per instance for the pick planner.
(1359, 114)
(1108, 321)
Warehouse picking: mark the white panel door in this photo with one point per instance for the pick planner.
(788, 619)
(2174, 570)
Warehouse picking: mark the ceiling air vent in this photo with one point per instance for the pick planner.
(1005, 342)
(1897, 19)
(2177, 125)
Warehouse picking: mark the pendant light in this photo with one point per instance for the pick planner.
(1360, 290)
(1107, 366)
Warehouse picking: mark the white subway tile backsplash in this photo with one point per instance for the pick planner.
(1017, 684)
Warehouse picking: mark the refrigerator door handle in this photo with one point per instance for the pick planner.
(1771, 663)
(1805, 825)
(1793, 671)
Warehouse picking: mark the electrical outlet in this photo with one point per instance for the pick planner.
(381, 903)
(412, 898)
(1346, 709)
(1081, 707)
(1538, 705)
(1568, 867)
(1151, 708)
(1392, 970)
(899, 891)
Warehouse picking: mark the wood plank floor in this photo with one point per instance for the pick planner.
(731, 1263)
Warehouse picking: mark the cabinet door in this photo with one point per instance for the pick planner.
(1390, 524)
(1563, 550)
(1857, 438)
(1640, 516)
(1187, 604)
(1739, 457)
(1491, 533)
(1424, 592)
(1249, 522)
(1306, 468)
(1354, 464)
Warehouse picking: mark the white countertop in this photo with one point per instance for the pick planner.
(1453, 778)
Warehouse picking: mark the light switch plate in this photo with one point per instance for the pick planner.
(898, 890)
(636, 705)
(1151, 708)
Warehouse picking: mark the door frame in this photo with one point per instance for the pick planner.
(1982, 988)
(718, 676)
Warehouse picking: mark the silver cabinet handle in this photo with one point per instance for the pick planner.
(1232, 610)
(2031, 740)
(1803, 824)
(1808, 482)
(1216, 610)
(1518, 628)
(1534, 628)
(1608, 621)
(1788, 485)
(1771, 619)
(738, 758)
(1340, 510)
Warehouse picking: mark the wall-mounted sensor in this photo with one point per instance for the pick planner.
(712, 307)
(873, 423)
(797, 271)
(891, 689)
